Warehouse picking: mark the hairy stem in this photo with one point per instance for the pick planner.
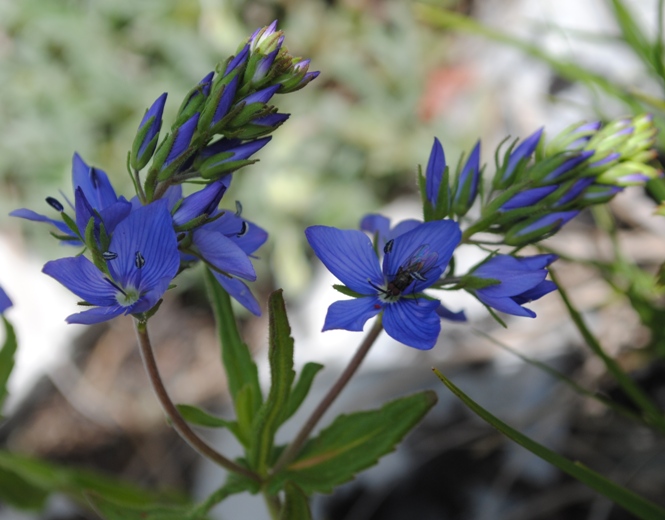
(292, 450)
(171, 411)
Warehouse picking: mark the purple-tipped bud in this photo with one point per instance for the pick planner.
(238, 61)
(262, 36)
(520, 154)
(573, 192)
(226, 96)
(182, 137)
(273, 120)
(528, 198)
(600, 193)
(558, 173)
(148, 133)
(534, 229)
(467, 183)
(436, 166)
(201, 203)
(227, 155)
(261, 96)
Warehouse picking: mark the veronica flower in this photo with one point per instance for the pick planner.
(5, 302)
(94, 197)
(412, 262)
(141, 261)
(520, 280)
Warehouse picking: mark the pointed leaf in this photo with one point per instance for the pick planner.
(272, 413)
(233, 485)
(6, 360)
(19, 493)
(199, 417)
(240, 368)
(296, 505)
(353, 443)
(301, 388)
(623, 497)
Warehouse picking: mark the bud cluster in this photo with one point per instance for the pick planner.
(538, 187)
(222, 121)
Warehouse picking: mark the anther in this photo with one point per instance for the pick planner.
(109, 255)
(54, 203)
(139, 261)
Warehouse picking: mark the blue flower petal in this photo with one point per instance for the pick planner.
(95, 315)
(5, 302)
(94, 182)
(240, 292)
(445, 313)
(351, 314)
(221, 252)
(538, 291)
(83, 278)
(229, 224)
(201, 202)
(507, 305)
(349, 255)
(403, 227)
(115, 213)
(28, 214)
(512, 283)
(148, 231)
(413, 322)
(375, 223)
(536, 261)
(527, 198)
(441, 237)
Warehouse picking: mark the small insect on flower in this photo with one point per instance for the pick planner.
(415, 267)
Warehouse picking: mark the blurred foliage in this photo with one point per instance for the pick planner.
(77, 76)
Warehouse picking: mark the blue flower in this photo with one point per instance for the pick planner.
(94, 197)
(142, 260)
(520, 280)
(5, 302)
(412, 262)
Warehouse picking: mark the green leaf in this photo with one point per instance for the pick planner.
(346, 291)
(6, 359)
(234, 484)
(111, 510)
(74, 482)
(199, 417)
(272, 413)
(623, 497)
(19, 493)
(241, 371)
(353, 443)
(296, 505)
(301, 388)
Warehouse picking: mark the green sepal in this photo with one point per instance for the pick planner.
(241, 371)
(194, 223)
(191, 104)
(6, 359)
(93, 247)
(151, 312)
(428, 210)
(64, 238)
(217, 91)
(138, 163)
(301, 388)
(498, 182)
(71, 224)
(353, 443)
(346, 291)
(251, 131)
(296, 504)
(248, 113)
(443, 198)
(271, 415)
(542, 233)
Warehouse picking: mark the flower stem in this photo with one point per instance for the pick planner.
(171, 411)
(292, 450)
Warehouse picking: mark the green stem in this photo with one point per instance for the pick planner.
(171, 411)
(292, 450)
(274, 505)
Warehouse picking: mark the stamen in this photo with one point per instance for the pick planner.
(389, 246)
(55, 203)
(116, 286)
(238, 208)
(109, 255)
(243, 230)
(139, 261)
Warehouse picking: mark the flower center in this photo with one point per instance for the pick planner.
(127, 296)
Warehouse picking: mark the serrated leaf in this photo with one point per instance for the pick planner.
(240, 368)
(637, 505)
(353, 443)
(296, 504)
(6, 359)
(301, 388)
(272, 413)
